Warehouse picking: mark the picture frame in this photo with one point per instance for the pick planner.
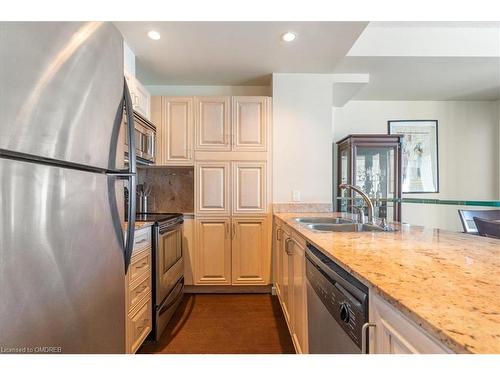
(420, 154)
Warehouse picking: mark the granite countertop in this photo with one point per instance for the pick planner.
(138, 225)
(446, 282)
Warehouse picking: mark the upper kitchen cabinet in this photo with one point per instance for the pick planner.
(250, 123)
(177, 131)
(212, 188)
(249, 188)
(213, 127)
(141, 99)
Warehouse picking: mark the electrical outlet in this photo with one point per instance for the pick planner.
(296, 195)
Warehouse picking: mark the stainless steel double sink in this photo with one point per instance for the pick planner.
(337, 224)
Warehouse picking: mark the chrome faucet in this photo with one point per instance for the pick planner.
(366, 198)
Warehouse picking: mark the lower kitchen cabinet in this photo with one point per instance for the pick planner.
(213, 251)
(250, 251)
(291, 282)
(138, 302)
(393, 333)
(232, 251)
(276, 257)
(299, 318)
(188, 249)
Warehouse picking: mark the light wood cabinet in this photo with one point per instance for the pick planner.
(173, 117)
(395, 334)
(188, 249)
(299, 319)
(276, 256)
(212, 121)
(139, 325)
(291, 282)
(249, 188)
(141, 99)
(250, 251)
(249, 125)
(231, 188)
(212, 188)
(213, 251)
(178, 131)
(138, 302)
(247, 191)
(286, 276)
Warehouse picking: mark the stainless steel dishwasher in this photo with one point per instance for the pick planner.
(337, 307)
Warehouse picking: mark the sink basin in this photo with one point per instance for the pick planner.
(323, 220)
(348, 227)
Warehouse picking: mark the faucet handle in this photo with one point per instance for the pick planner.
(383, 223)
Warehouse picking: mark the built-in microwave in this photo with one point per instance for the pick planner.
(145, 140)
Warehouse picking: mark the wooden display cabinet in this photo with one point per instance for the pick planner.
(371, 162)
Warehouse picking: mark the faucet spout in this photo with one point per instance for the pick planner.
(366, 198)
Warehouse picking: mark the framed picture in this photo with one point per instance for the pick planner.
(420, 165)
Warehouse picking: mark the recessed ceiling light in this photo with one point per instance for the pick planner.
(155, 35)
(289, 36)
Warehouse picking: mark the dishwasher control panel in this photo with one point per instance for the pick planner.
(344, 301)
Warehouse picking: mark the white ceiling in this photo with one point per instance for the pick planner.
(405, 60)
(426, 78)
(427, 61)
(235, 53)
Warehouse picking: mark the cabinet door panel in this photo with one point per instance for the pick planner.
(249, 123)
(297, 247)
(396, 334)
(287, 276)
(212, 118)
(178, 130)
(249, 188)
(250, 251)
(212, 190)
(276, 257)
(213, 251)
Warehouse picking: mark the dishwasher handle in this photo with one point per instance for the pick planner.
(364, 337)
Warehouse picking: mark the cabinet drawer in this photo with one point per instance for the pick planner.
(139, 265)
(139, 325)
(138, 290)
(142, 239)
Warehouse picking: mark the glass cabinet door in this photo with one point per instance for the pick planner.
(344, 176)
(374, 173)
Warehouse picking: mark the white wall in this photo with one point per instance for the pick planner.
(302, 132)
(178, 90)
(498, 149)
(469, 139)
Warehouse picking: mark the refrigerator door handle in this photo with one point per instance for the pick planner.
(129, 174)
(132, 175)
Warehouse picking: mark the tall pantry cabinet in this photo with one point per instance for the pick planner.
(230, 142)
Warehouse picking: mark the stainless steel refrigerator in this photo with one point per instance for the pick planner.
(63, 253)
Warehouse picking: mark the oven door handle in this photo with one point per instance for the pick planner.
(178, 289)
(173, 228)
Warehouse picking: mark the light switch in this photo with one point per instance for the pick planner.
(296, 195)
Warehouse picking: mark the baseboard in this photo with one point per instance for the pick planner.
(200, 289)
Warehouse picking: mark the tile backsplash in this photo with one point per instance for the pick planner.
(172, 189)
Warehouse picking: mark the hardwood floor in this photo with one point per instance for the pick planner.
(225, 324)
